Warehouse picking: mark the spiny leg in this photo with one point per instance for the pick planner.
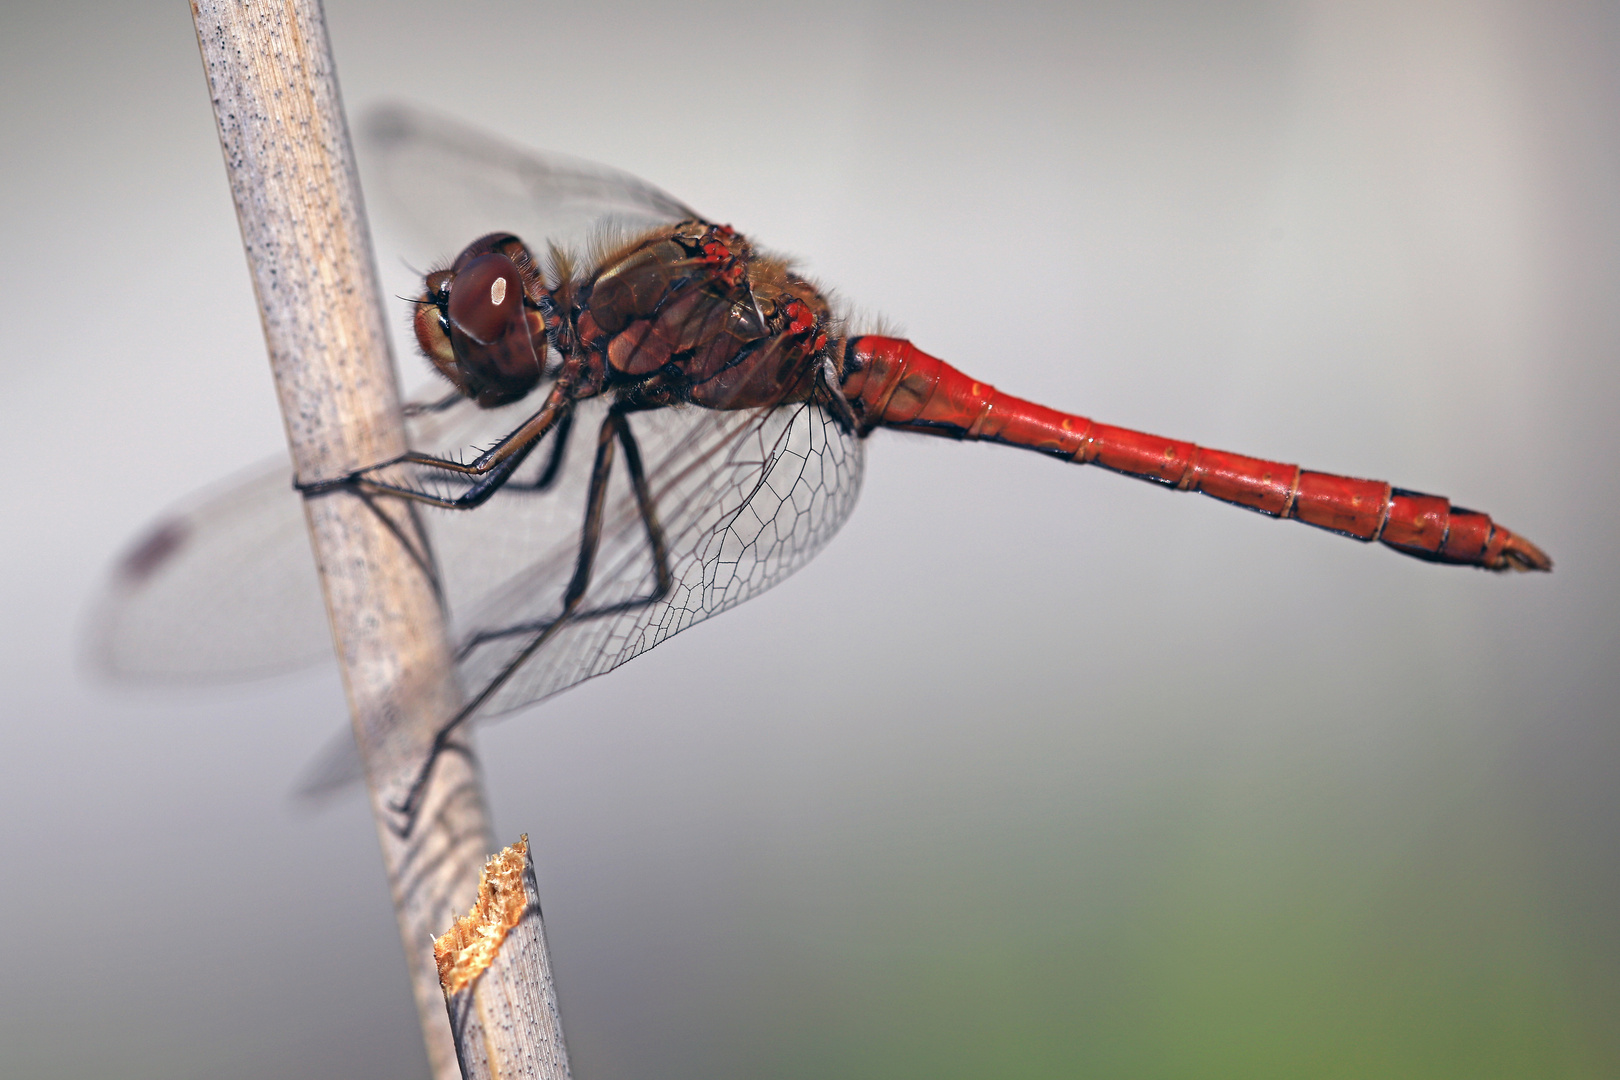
(559, 447)
(474, 496)
(557, 404)
(492, 469)
(500, 478)
(614, 428)
(495, 464)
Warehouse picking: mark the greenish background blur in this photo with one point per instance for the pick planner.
(1036, 771)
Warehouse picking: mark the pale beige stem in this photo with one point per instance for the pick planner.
(292, 174)
(497, 980)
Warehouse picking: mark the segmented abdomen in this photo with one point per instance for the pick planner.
(892, 383)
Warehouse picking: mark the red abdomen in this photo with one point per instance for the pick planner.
(892, 383)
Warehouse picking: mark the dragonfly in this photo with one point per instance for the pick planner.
(668, 420)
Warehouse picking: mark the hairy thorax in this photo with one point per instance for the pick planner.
(690, 313)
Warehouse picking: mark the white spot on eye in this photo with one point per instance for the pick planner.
(497, 291)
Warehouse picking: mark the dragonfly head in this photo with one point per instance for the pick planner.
(479, 322)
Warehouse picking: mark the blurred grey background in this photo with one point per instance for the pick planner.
(1037, 771)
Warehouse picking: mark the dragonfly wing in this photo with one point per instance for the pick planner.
(745, 498)
(222, 587)
(443, 184)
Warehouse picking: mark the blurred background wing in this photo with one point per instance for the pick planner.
(223, 587)
(442, 185)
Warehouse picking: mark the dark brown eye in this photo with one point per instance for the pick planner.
(484, 296)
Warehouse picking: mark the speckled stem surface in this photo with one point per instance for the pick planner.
(291, 171)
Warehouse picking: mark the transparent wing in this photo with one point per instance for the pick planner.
(443, 184)
(744, 498)
(223, 586)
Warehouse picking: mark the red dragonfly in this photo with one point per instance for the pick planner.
(727, 401)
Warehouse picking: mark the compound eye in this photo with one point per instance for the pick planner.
(484, 298)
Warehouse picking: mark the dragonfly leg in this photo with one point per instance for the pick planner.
(649, 518)
(475, 495)
(595, 504)
(559, 446)
(493, 468)
(615, 429)
(499, 478)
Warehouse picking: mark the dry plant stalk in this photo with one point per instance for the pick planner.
(496, 975)
(292, 175)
